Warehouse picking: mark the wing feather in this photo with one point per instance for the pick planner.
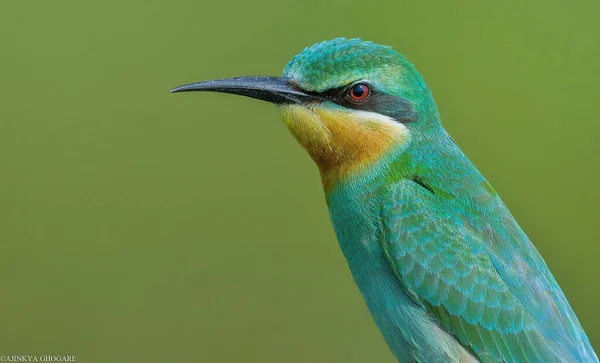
(478, 274)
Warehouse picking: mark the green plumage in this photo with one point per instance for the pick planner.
(444, 268)
(458, 258)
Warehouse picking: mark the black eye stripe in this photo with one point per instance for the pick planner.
(379, 102)
(333, 94)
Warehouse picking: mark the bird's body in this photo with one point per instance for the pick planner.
(437, 285)
(444, 268)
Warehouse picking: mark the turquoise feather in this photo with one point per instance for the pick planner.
(445, 270)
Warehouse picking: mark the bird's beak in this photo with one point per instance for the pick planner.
(278, 90)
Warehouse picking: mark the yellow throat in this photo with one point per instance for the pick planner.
(342, 141)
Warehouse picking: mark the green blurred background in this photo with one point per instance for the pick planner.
(139, 226)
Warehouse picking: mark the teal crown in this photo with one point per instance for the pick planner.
(337, 62)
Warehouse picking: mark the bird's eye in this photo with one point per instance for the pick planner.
(359, 92)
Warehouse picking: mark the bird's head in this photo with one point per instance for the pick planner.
(348, 102)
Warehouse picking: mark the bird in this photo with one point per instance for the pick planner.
(445, 270)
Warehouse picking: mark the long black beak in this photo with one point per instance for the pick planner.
(278, 90)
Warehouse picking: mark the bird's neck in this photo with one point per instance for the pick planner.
(429, 157)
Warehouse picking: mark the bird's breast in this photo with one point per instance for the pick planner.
(409, 331)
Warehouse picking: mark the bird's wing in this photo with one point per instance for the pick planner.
(478, 274)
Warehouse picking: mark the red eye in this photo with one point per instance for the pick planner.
(359, 92)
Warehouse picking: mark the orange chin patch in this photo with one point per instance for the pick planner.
(342, 141)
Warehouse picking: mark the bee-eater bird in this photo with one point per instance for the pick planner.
(444, 268)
